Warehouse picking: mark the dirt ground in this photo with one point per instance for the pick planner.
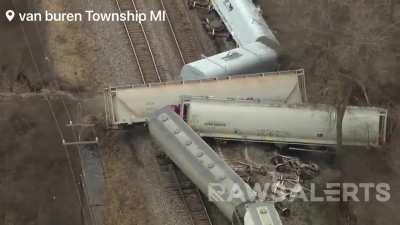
(356, 39)
(68, 53)
(36, 184)
(359, 40)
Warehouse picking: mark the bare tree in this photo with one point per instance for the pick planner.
(344, 91)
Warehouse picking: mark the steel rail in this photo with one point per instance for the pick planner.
(173, 33)
(189, 193)
(148, 45)
(131, 44)
(198, 216)
(181, 31)
(139, 60)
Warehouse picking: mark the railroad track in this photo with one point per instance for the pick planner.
(140, 45)
(181, 30)
(181, 186)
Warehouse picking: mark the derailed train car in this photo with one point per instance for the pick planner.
(245, 22)
(297, 124)
(209, 172)
(252, 58)
(258, 49)
(133, 104)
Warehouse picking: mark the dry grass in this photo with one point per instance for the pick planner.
(332, 38)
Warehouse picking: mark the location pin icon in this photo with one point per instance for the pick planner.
(10, 15)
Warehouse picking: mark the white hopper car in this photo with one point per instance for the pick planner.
(133, 104)
(297, 124)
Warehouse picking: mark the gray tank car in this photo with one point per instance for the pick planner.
(245, 22)
(202, 165)
(252, 58)
(258, 49)
(302, 124)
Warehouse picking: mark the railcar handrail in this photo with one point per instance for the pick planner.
(298, 72)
